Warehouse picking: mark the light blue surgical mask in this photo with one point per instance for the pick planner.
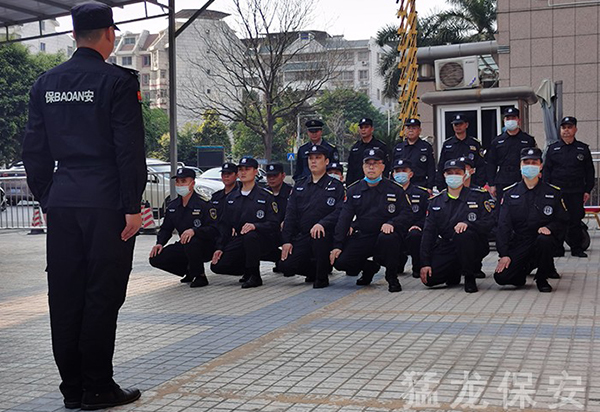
(373, 181)
(454, 181)
(511, 125)
(401, 177)
(182, 191)
(337, 177)
(530, 171)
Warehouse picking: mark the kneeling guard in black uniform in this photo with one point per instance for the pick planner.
(532, 220)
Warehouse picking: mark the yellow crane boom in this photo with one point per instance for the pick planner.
(407, 50)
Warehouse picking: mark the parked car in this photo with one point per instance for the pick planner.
(214, 175)
(14, 183)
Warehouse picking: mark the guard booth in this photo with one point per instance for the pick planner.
(482, 107)
(209, 156)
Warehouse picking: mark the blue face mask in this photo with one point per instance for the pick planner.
(401, 177)
(530, 171)
(336, 177)
(373, 181)
(182, 191)
(454, 181)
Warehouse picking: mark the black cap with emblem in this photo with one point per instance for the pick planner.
(373, 154)
(274, 169)
(335, 166)
(467, 161)
(229, 167)
(248, 162)
(365, 121)
(459, 118)
(401, 163)
(183, 172)
(454, 164)
(316, 149)
(531, 153)
(412, 122)
(569, 120)
(92, 15)
(511, 111)
(314, 125)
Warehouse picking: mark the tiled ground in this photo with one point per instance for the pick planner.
(285, 346)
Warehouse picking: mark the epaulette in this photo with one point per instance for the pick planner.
(203, 196)
(267, 190)
(556, 187)
(128, 70)
(423, 188)
(510, 187)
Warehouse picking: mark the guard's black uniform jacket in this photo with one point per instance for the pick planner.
(454, 148)
(569, 166)
(86, 115)
(355, 159)
(473, 207)
(218, 200)
(524, 211)
(503, 158)
(311, 203)
(282, 200)
(418, 198)
(421, 157)
(258, 208)
(302, 169)
(373, 206)
(197, 215)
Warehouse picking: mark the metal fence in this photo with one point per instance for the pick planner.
(21, 211)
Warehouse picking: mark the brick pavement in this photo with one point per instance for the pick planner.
(285, 346)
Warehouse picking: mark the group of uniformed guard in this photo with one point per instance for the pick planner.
(388, 211)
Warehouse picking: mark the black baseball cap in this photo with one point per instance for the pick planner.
(459, 118)
(317, 148)
(314, 125)
(402, 163)
(467, 161)
(274, 169)
(531, 153)
(229, 167)
(335, 166)
(183, 172)
(373, 154)
(569, 120)
(511, 111)
(248, 162)
(412, 122)
(365, 120)
(454, 164)
(92, 15)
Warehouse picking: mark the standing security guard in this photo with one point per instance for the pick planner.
(313, 209)
(195, 223)
(502, 157)
(315, 134)
(455, 235)
(418, 198)
(367, 141)
(419, 153)
(378, 212)
(458, 146)
(569, 165)
(532, 218)
(229, 178)
(85, 114)
(248, 228)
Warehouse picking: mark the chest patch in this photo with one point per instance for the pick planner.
(423, 158)
(472, 217)
(580, 157)
(197, 223)
(391, 208)
(260, 214)
(415, 208)
(331, 201)
(548, 210)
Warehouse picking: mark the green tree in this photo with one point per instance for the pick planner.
(156, 124)
(213, 132)
(18, 71)
(475, 20)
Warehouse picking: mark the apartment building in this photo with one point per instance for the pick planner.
(60, 43)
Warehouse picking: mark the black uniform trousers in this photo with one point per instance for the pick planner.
(243, 253)
(413, 248)
(360, 246)
(309, 257)
(88, 270)
(526, 255)
(453, 258)
(185, 259)
(575, 208)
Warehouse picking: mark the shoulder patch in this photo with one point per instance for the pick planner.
(128, 70)
(555, 187)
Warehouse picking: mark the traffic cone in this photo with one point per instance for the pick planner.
(37, 222)
(148, 225)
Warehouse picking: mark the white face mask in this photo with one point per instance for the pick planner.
(182, 191)
(511, 125)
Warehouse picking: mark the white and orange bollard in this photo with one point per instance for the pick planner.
(148, 224)
(37, 222)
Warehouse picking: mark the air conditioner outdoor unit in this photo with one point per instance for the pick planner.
(458, 73)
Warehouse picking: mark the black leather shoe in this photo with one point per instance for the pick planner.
(309, 279)
(371, 268)
(554, 275)
(470, 284)
(579, 253)
(254, 282)
(276, 268)
(93, 401)
(187, 279)
(199, 281)
(543, 286)
(480, 275)
(72, 403)
(244, 278)
(320, 284)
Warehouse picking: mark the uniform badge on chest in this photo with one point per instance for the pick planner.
(423, 158)
(471, 217)
(197, 223)
(260, 214)
(391, 208)
(548, 210)
(580, 157)
(415, 208)
(331, 201)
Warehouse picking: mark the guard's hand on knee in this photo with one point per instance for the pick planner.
(387, 228)
(317, 231)
(544, 231)
(216, 256)
(248, 227)
(503, 263)
(156, 250)
(286, 250)
(187, 235)
(425, 274)
(335, 253)
(460, 227)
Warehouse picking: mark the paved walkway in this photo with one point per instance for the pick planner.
(287, 347)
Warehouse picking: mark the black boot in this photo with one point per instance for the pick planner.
(543, 285)
(244, 278)
(254, 279)
(470, 284)
(199, 281)
(186, 279)
(369, 270)
(115, 397)
(393, 283)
